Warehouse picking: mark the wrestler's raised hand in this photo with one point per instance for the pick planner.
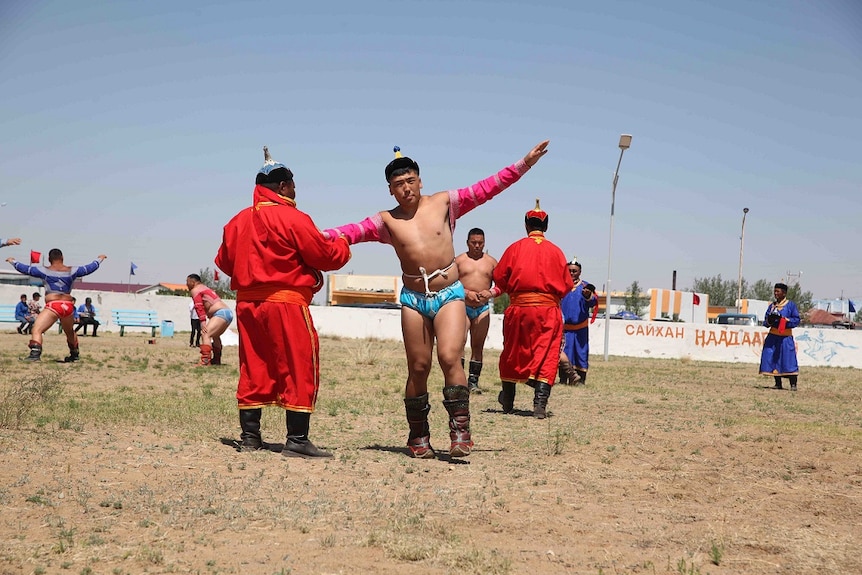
(101, 257)
(10, 260)
(540, 150)
(13, 242)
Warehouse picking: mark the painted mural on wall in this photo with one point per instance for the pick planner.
(722, 343)
(818, 345)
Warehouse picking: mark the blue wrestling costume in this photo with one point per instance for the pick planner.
(429, 305)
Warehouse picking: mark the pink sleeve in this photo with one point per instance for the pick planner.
(368, 230)
(463, 200)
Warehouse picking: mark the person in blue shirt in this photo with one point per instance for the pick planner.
(778, 357)
(577, 306)
(57, 278)
(22, 314)
(87, 316)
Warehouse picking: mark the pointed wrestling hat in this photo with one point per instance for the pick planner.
(272, 172)
(401, 162)
(536, 213)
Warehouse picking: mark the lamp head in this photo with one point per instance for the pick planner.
(625, 141)
(744, 210)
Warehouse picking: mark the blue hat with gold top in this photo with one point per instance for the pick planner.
(401, 162)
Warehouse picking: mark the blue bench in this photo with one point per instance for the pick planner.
(135, 318)
(7, 314)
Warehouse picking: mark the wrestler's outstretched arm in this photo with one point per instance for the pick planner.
(89, 268)
(32, 271)
(461, 201)
(464, 200)
(370, 229)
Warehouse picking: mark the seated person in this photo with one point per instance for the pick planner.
(34, 306)
(87, 316)
(22, 314)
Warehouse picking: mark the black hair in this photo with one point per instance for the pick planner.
(54, 255)
(399, 167)
(275, 176)
(476, 232)
(535, 224)
(195, 277)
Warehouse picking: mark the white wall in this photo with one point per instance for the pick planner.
(699, 341)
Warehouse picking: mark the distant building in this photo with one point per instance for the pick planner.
(363, 290)
(12, 277)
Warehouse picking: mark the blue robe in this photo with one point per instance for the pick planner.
(779, 349)
(576, 310)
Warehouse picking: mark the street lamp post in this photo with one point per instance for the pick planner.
(625, 143)
(741, 245)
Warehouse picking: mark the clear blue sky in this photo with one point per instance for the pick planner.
(135, 128)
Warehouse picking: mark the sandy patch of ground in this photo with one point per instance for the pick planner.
(652, 467)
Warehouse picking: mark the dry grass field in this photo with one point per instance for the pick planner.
(123, 464)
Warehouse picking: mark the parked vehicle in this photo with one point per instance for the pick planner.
(625, 314)
(737, 319)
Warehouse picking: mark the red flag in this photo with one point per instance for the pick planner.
(215, 275)
(35, 257)
(695, 299)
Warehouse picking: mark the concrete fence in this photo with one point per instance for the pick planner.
(667, 340)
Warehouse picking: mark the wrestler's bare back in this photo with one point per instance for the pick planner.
(419, 229)
(210, 306)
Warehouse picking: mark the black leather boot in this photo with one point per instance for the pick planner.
(540, 400)
(562, 374)
(249, 423)
(583, 375)
(216, 359)
(297, 443)
(35, 352)
(777, 383)
(507, 397)
(456, 400)
(419, 440)
(793, 379)
(74, 354)
(473, 379)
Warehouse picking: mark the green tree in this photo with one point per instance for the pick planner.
(635, 302)
(221, 287)
(802, 299)
(761, 289)
(720, 291)
(501, 303)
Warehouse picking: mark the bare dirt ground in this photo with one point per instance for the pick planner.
(122, 463)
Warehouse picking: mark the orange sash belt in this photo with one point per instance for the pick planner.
(533, 299)
(774, 331)
(576, 326)
(298, 296)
